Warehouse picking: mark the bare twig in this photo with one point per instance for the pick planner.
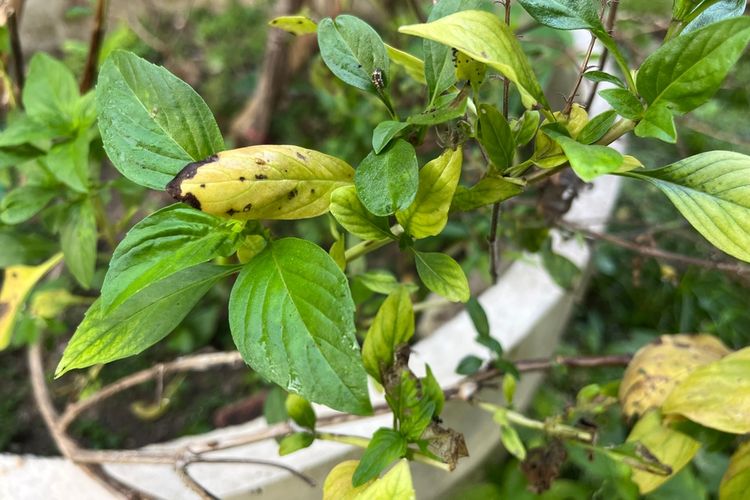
(609, 25)
(581, 71)
(87, 80)
(15, 48)
(735, 268)
(494, 249)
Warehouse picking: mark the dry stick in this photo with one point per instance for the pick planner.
(609, 25)
(658, 253)
(581, 71)
(495, 217)
(87, 80)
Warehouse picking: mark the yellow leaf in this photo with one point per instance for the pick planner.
(262, 182)
(297, 25)
(414, 66)
(396, 484)
(736, 481)
(716, 395)
(669, 446)
(18, 282)
(428, 213)
(659, 366)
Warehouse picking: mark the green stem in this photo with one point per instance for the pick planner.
(411, 453)
(548, 427)
(619, 129)
(368, 246)
(107, 229)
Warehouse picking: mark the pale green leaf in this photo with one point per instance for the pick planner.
(295, 442)
(50, 94)
(78, 241)
(141, 321)
(509, 436)
(587, 161)
(292, 319)
(487, 191)
(713, 193)
(736, 481)
(151, 122)
(441, 274)
(300, 410)
(485, 38)
(438, 179)
(24, 202)
(392, 327)
(413, 65)
(355, 218)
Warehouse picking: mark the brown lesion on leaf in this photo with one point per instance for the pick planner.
(301, 156)
(260, 161)
(260, 177)
(174, 187)
(231, 212)
(291, 194)
(247, 207)
(242, 178)
(542, 465)
(4, 308)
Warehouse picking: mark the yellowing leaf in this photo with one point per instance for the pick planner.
(414, 66)
(396, 484)
(736, 481)
(716, 395)
(483, 37)
(297, 25)
(393, 325)
(659, 366)
(487, 191)
(670, 447)
(18, 282)
(350, 213)
(262, 182)
(428, 213)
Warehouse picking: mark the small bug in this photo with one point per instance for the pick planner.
(378, 79)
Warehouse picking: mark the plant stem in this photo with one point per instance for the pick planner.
(17, 52)
(368, 246)
(95, 44)
(549, 427)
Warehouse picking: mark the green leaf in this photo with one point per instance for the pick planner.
(51, 93)
(597, 127)
(388, 181)
(431, 391)
(384, 134)
(686, 71)
(300, 411)
(352, 50)
(437, 114)
(711, 191)
(297, 25)
(564, 14)
(151, 122)
(12, 156)
(386, 446)
(292, 319)
(262, 182)
(495, 135)
(78, 240)
(736, 480)
(525, 129)
(355, 218)
(24, 202)
(603, 76)
(438, 179)
(624, 102)
(141, 321)
(720, 10)
(587, 161)
(295, 442)
(716, 395)
(392, 327)
(509, 436)
(383, 282)
(20, 246)
(478, 317)
(413, 411)
(469, 365)
(338, 253)
(485, 38)
(561, 269)
(658, 122)
(21, 129)
(168, 241)
(441, 274)
(69, 162)
(487, 191)
(670, 447)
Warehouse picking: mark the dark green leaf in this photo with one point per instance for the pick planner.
(478, 317)
(413, 410)
(587, 161)
(624, 102)
(388, 181)
(597, 127)
(353, 51)
(441, 274)
(385, 447)
(723, 9)
(141, 321)
(487, 191)
(11, 156)
(469, 365)
(292, 319)
(24, 202)
(384, 133)
(295, 442)
(432, 391)
(565, 14)
(274, 407)
(152, 123)
(603, 76)
(300, 411)
(495, 135)
(436, 115)
(78, 240)
(165, 242)
(525, 128)
(19, 246)
(51, 93)
(562, 270)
